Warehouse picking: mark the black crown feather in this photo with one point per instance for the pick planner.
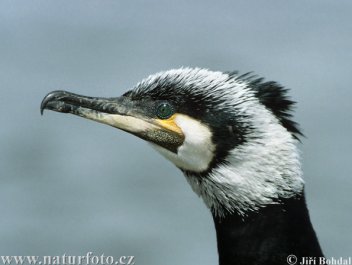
(274, 97)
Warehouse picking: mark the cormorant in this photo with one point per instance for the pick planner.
(233, 138)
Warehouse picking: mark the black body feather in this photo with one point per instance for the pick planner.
(269, 236)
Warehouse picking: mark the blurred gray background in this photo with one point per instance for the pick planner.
(69, 185)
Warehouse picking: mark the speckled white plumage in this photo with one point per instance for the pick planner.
(258, 172)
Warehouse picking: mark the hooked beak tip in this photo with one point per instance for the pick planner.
(50, 97)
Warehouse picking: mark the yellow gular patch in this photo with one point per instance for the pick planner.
(170, 124)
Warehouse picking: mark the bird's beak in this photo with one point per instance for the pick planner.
(121, 113)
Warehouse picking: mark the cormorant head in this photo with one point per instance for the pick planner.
(231, 135)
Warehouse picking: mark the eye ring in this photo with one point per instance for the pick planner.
(164, 110)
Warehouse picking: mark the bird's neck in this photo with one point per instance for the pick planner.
(267, 236)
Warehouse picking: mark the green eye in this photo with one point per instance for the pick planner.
(164, 110)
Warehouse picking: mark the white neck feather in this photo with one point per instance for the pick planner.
(260, 171)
